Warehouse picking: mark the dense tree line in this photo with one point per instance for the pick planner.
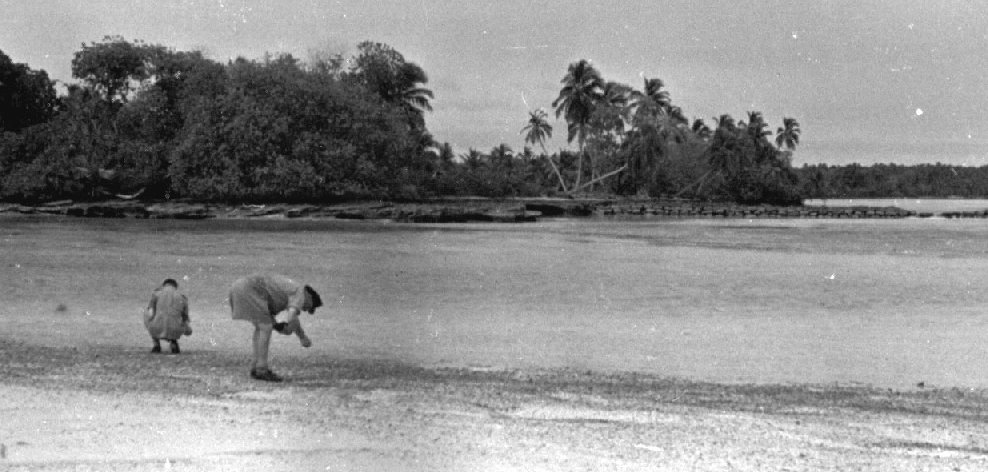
(893, 181)
(147, 121)
(171, 124)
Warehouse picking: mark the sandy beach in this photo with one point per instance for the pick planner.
(774, 346)
(112, 409)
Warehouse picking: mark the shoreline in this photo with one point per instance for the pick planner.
(462, 210)
(110, 408)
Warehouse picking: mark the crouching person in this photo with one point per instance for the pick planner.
(167, 316)
(261, 298)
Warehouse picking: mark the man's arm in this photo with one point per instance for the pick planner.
(302, 338)
(152, 304)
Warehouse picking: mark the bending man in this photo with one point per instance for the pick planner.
(258, 299)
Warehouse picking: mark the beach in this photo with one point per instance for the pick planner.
(574, 345)
(71, 409)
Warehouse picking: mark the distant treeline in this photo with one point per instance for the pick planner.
(145, 121)
(892, 181)
(167, 124)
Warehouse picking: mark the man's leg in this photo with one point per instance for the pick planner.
(174, 345)
(262, 341)
(157, 346)
(254, 340)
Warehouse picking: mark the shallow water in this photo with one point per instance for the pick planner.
(882, 302)
(920, 205)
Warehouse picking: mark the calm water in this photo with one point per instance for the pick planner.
(880, 302)
(931, 205)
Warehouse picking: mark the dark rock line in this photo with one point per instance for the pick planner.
(468, 210)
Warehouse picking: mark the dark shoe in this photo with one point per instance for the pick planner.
(265, 375)
(175, 349)
(156, 349)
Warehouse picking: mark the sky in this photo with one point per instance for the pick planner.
(883, 81)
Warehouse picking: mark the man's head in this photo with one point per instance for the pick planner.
(315, 301)
(169, 282)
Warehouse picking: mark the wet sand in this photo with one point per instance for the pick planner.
(117, 409)
(473, 348)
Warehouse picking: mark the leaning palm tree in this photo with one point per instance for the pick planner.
(537, 131)
(582, 90)
(788, 135)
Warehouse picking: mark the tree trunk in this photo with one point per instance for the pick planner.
(593, 172)
(697, 181)
(579, 164)
(554, 168)
(598, 179)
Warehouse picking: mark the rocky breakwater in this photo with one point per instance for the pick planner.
(685, 209)
(115, 209)
(463, 210)
(960, 214)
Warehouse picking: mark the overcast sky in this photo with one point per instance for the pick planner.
(902, 81)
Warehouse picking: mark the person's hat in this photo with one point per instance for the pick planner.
(316, 299)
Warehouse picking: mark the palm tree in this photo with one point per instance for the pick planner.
(583, 89)
(655, 123)
(653, 105)
(653, 94)
(757, 127)
(410, 92)
(537, 131)
(645, 146)
(701, 130)
(608, 128)
(722, 160)
(473, 159)
(677, 116)
(502, 156)
(614, 100)
(725, 121)
(616, 94)
(788, 135)
(655, 129)
(445, 155)
(384, 71)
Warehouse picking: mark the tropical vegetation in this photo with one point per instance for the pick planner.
(146, 121)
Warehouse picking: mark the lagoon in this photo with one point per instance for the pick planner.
(878, 302)
(919, 205)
